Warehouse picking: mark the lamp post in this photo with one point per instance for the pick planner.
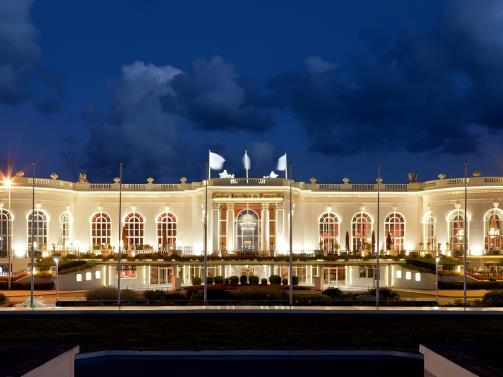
(378, 271)
(437, 259)
(32, 230)
(8, 183)
(56, 260)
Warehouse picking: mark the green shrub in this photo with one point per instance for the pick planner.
(165, 297)
(295, 280)
(243, 279)
(210, 280)
(275, 279)
(72, 265)
(196, 280)
(43, 275)
(385, 294)
(3, 299)
(233, 280)
(284, 281)
(219, 279)
(493, 298)
(254, 280)
(260, 296)
(312, 299)
(227, 281)
(263, 281)
(333, 293)
(110, 294)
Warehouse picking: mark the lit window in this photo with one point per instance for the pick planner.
(132, 232)
(5, 232)
(97, 274)
(166, 231)
(398, 274)
(418, 276)
(78, 277)
(456, 225)
(328, 225)
(89, 276)
(429, 239)
(361, 232)
(37, 225)
(394, 229)
(408, 275)
(101, 230)
(493, 225)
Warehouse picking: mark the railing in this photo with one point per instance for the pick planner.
(258, 182)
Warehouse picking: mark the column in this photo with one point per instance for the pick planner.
(230, 228)
(265, 227)
(214, 235)
(281, 241)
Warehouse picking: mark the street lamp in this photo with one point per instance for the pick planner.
(8, 183)
(437, 259)
(56, 260)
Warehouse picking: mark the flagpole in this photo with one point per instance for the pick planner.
(32, 285)
(246, 165)
(205, 286)
(290, 296)
(208, 165)
(286, 168)
(121, 164)
(465, 231)
(378, 271)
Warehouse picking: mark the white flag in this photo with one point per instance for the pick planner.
(246, 161)
(282, 163)
(216, 162)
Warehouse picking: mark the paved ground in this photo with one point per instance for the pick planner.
(48, 297)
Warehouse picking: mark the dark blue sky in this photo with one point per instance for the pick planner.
(337, 85)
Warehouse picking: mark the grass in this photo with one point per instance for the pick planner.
(252, 331)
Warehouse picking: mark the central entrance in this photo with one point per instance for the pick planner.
(247, 224)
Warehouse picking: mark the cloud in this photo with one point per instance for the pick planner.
(418, 92)
(48, 105)
(315, 64)
(19, 50)
(213, 97)
(137, 130)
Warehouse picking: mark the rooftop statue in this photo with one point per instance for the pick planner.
(83, 177)
(412, 178)
(272, 175)
(224, 174)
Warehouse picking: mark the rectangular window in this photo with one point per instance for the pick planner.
(127, 272)
(398, 274)
(78, 277)
(418, 276)
(89, 275)
(97, 274)
(408, 275)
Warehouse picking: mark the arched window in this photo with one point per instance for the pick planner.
(394, 230)
(132, 232)
(101, 230)
(166, 231)
(247, 231)
(5, 232)
(65, 232)
(493, 230)
(361, 231)
(429, 235)
(328, 225)
(456, 224)
(39, 223)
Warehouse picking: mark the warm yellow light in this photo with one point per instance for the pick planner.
(7, 182)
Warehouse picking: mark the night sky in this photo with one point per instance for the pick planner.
(338, 85)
